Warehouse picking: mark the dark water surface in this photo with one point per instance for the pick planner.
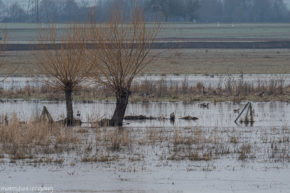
(266, 114)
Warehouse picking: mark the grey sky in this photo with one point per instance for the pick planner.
(25, 2)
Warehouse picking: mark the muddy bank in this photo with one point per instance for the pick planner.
(179, 45)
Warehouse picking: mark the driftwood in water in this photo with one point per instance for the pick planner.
(249, 117)
(108, 122)
(45, 116)
(189, 118)
(139, 117)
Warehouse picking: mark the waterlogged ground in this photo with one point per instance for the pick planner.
(211, 154)
(175, 177)
(213, 81)
(266, 114)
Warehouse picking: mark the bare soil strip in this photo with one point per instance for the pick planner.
(181, 45)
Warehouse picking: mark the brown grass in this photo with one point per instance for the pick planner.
(190, 61)
(113, 139)
(25, 140)
(220, 61)
(244, 151)
(234, 139)
(102, 158)
(40, 143)
(236, 91)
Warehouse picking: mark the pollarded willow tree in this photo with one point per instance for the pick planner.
(64, 62)
(122, 51)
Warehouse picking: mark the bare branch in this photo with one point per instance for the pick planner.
(65, 64)
(122, 51)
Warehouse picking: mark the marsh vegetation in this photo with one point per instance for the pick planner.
(164, 88)
(184, 125)
(28, 139)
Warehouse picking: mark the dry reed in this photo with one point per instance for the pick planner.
(162, 90)
(25, 140)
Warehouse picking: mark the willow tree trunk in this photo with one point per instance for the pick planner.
(122, 101)
(69, 107)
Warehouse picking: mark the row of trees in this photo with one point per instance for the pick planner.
(70, 10)
(112, 54)
(164, 10)
(243, 11)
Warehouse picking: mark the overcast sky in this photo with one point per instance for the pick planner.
(24, 3)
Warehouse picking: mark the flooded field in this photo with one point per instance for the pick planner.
(220, 115)
(211, 154)
(213, 81)
(222, 124)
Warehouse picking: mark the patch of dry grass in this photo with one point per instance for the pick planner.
(25, 140)
(220, 61)
(245, 150)
(190, 61)
(116, 139)
(229, 90)
(102, 158)
(41, 143)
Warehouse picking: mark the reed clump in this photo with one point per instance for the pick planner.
(103, 158)
(245, 150)
(22, 140)
(43, 143)
(161, 90)
(113, 139)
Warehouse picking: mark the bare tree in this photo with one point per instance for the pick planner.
(64, 62)
(16, 13)
(48, 11)
(191, 7)
(122, 52)
(162, 6)
(2, 9)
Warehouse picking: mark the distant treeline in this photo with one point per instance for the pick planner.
(163, 10)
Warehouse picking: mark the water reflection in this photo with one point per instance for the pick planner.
(220, 115)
